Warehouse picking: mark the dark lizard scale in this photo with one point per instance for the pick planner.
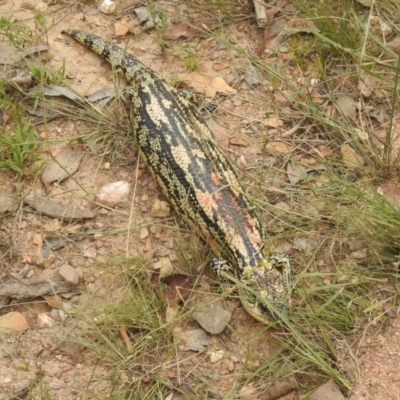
(198, 179)
(161, 118)
(195, 175)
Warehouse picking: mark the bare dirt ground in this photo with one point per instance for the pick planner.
(69, 370)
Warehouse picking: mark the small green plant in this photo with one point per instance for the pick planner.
(44, 75)
(337, 27)
(17, 149)
(138, 310)
(159, 18)
(191, 60)
(42, 23)
(12, 109)
(40, 20)
(17, 34)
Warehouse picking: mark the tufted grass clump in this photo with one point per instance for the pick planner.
(340, 222)
(18, 150)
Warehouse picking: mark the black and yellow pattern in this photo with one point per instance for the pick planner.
(198, 179)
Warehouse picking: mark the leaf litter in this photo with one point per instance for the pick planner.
(303, 172)
(65, 164)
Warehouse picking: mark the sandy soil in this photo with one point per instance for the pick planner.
(69, 369)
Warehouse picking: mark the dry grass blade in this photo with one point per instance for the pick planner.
(324, 88)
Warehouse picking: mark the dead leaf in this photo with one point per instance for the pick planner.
(11, 55)
(308, 161)
(248, 392)
(220, 133)
(365, 85)
(174, 32)
(27, 5)
(274, 10)
(296, 172)
(378, 113)
(204, 84)
(195, 81)
(273, 122)
(101, 98)
(219, 66)
(57, 210)
(292, 131)
(277, 33)
(47, 114)
(278, 147)
(54, 301)
(107, 93)
(252, 76)
(279, 388)
(328, 391)
(324, 151)
(282, 99)
(300, 243)
(27, 289)
(220, 86)
(318, 100)
(59, 241)
(57, 90)
(121, 28)
(10, 199)
(240, 139)
(64, 165)
(267, 36)
(346, 106)
(350, 158)
(195, 340)
(37, 239)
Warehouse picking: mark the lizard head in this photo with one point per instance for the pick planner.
(266, 291)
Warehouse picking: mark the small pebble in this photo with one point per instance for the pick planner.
(13, 322)
(70, 274)
(114, 194)
(41, 7)
(160, 209)
(44, 321)
(107, 7)
(215, 356)
(144, 233)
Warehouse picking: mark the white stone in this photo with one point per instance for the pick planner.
(114, 194)
(44, 321)
(70, 274)
(215, 356)
(107, 7)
